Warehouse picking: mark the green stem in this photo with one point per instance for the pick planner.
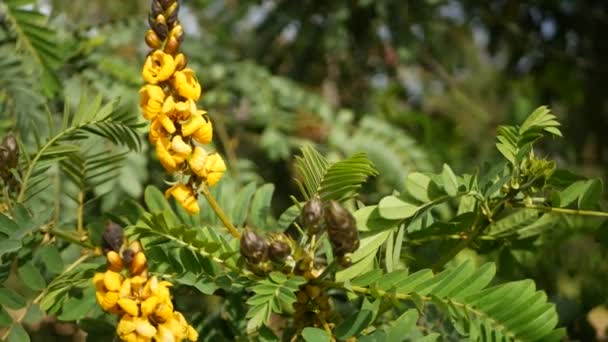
(476, 228)
(566, 211)
(219, 212)
(69, 237)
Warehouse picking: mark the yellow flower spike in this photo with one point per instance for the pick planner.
(214, 167)
(167, 123)
(114, 261)
(176, 326)
(138, 264)
(186, 84)
(180, 110)
(197, 161)
(144, 328)
(137, 284)
(185, 196)
(157, 131)
(163, 155)
(159, 66)
(112, 281)
(129, 306)
(148, 306)
(163, 312)
(179, 146)
(151, 98)
(204, 134)
(193, 124)
(192, 333)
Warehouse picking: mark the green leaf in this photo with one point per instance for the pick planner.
(11, 299)
(77, 308)
(7, 225)
(241, 204)
(450, 182)
(354, 324)
(394, 208)
(31, 277)
(18, 334)
(50, 257)
(310, 167)
(5, 318)
(591, 197)
(343, 179)
(402, 326)
(9, 246)
(310, 334)
(369, 219)
(418, 186)
(260, 206)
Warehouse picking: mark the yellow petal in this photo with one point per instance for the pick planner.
(204, 134)
(114, 261)
(144, 328)
(125, 289)
(194, 123)
(163, 312)
(125, 326)
(185, 196)
(186, 84)
(151, 98)
(179, 146)
(138, 264)
(112, 281)
(163, 155)
(166, 122)
(192, 333)
(157, 131)
(129, 306)
(98, 281)
(164, 334)
(214, 167)
(148, 306)
(132, 337)
(197, 161)
(109, 301)
(159, 66)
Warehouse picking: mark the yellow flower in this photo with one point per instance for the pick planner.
(108, 300)
(185, 196)
(151, 98)
(157, 131)
(204, 134)
(179, 146)
(148, 306)
(192, 333)
(112, 281)
(163, 155)
(144, 328)
(177, 325)
(197, 161)
(98, 281)
(158, 67)
(186, 84)
(163, 334)
(114, 261)
(129, 306)
(138, 264)
(214, 167)
(167, 123)
(180, 110)
(125, 326)
(137, 283)
(157, 310)
(125, 289)
(194, 123)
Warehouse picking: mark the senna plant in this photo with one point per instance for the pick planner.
(207, 260)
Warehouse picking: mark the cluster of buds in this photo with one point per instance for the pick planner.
(143, 303)
(9, 157)
(264, 256)
(337, 221)
(178, 129)
(312, 308)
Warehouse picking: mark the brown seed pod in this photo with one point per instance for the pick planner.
(341, 228)
(254, 247)
(127, 255)
(312, 215)
(112, 237)
(278, 251)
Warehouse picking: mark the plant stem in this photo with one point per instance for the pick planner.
(79, 213)
(69, 237)
(476, 228)
(219, 211)
(566, 211)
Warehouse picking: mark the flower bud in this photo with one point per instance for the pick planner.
(172, 46)
(278, 251)
(341, 228)
(312, 214)
(112, 237)
(114, 261)
(152, 40)
(254, 247)
(138, 264)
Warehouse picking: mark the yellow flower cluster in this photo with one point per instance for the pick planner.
(143, 303)
(177, 127)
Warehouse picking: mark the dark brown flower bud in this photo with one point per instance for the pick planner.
(254, 247)
(278, 251)
(152, 40)
(172, 10)
(112, 237)
(9, 156)
(341, 228)
(172, 45)
(312, 215)
(127, 255)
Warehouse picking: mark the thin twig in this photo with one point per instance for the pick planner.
(219, 212)
(566, 211)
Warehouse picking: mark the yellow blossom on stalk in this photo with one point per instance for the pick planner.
(151, 99)
(164, 156)
(186, 84)
(178, 110)
(184, 195)
(197, 161)
(214, 168)
(159, 66)
(194, 123)
(157, 131)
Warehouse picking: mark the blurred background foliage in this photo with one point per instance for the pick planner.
(413, 84)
